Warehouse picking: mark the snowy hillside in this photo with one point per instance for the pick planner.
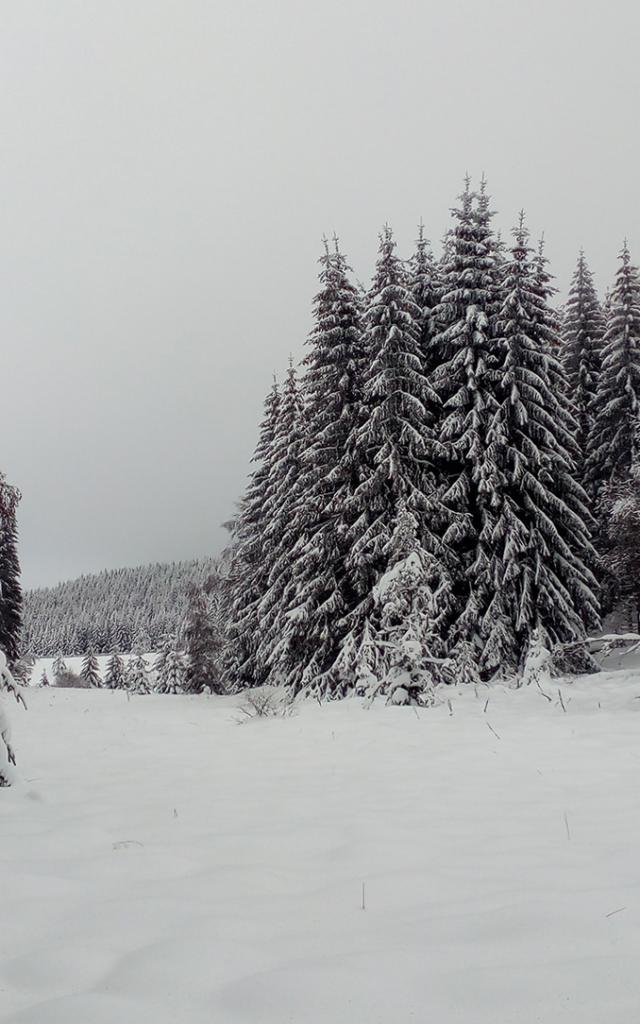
(162, 863)
(112, 610)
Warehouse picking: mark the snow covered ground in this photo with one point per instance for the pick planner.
(162, 863)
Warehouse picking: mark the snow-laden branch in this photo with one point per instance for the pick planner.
(7, 685)
(609, 642)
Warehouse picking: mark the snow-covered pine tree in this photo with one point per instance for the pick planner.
(202, 646)
(395, 444)
(582, 332)
(115, 678)
(405, 619)
(285, 520)
(546, 330)
(319, 591)
(613, 446)
(170, 669)
(426, 288)
(90, 671)
(550, 318)
(137, 673)
(466, 378)
(59, 666)
(10, 588)
(249, 570)
(44, 678)
(540, 538)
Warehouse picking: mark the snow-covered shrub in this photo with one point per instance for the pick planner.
(70, 680)
(463, 665)
(264, 703)
(539, 660)
(8, 685)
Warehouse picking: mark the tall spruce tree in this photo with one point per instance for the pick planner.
(540, 540)
(582, 331)
(249, 570)
(284, 510)
(613, 445)
(466, 377)
(395, 444)
(202, 642)
(546, 330)
(319, 592)
(10, 588)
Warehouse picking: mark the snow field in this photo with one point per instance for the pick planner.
(162, 863)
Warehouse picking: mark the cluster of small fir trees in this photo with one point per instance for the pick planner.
(417, 507)
(132, 673)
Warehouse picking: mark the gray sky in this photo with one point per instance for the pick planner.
(167, 172)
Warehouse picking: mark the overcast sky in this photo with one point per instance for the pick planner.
(167, 172)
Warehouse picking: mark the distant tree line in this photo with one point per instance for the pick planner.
(115, 610)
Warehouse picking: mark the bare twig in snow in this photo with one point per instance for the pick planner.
(618, 911)
(566, 825)
(562, 704)
(489, 726)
